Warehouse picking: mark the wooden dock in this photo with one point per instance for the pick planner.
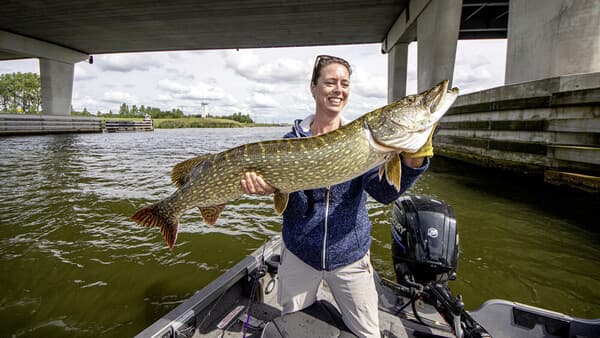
(549, 128)
(128, 126)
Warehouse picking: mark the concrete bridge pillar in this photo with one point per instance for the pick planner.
(57, 65)
(437, 36)
(57, 86)
(397, 70)
(435, 25)
(550, 38)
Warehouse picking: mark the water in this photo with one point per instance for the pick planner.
(71, 263)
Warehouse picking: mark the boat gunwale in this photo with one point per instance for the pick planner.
(179, 316)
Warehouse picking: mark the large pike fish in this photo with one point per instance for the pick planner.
(209, 181)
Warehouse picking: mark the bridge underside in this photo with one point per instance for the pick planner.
(63, 32)
(93, 27)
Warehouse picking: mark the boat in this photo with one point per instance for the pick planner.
(242, 302)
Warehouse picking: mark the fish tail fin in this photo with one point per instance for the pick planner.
(157, 215)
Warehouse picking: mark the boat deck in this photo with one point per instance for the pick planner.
(221, 310)
(322, 319)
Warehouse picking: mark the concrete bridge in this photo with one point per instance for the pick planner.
(63, 32)
(547, 40)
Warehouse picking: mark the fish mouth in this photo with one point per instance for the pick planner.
(409, 130)
(434, 97)
(439, 99)
(426, 108)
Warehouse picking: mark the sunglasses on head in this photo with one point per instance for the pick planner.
(324, 60)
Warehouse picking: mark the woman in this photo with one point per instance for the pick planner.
(326, 232)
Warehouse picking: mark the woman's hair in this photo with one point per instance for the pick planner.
(324, 60)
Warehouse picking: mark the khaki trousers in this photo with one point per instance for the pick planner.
(352, 286)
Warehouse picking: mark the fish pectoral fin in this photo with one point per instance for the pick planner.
(381, 171)
(393, 171)
(280, 201)
(182, 170)
(212, 213)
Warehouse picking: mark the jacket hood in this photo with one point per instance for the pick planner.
(302, 127)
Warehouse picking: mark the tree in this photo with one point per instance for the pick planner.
(239, 117)
(20, 92)
(124, 110)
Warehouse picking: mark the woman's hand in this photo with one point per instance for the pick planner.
(253, 184)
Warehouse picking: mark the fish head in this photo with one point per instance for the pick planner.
(405, 125)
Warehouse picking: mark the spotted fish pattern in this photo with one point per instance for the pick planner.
(210, 181)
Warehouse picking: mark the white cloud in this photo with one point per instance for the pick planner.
(83, 73)
(270, 84)
(249, 65)
(118, 97)
(265, 88)
(199, 91)
(88, 102)
(164, 97)
(479, 65)
(260, 100)
(202, 91)
(468, 75)
(172, 86)
(127, 62)
(368, 84)
(178, 72)
(20, 66)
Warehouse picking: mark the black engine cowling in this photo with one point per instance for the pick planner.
(425, 240)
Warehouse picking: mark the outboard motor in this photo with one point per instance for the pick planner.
(425, 240)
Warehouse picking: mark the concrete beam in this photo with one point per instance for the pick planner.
(57, 86)
(18, 47)
(437, 35)
(397, 70)
(404, 29)
(56, 68)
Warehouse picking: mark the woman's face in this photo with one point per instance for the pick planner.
(332, 89)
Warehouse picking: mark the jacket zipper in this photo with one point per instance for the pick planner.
(327, 196)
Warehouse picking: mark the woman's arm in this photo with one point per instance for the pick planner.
(385, 193)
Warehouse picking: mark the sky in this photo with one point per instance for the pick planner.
(270, 84)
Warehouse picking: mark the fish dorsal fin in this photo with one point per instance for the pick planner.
(212, 213)
(280, 201)
(181, 170)
(393, 170)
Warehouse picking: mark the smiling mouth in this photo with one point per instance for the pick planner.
(335, 100)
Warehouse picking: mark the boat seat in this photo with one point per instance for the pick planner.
(321, 319)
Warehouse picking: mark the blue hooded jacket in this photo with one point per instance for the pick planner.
(329, 228)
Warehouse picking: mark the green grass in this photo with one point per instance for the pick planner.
(194, 122)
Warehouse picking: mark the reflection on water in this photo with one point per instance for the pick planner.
(71, 263)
